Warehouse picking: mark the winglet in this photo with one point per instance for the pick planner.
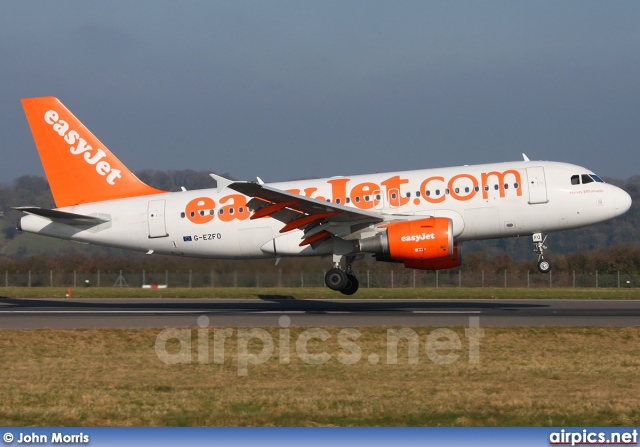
(525, 157)
(221, 182)
(78, 166)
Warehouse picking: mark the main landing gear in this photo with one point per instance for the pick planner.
(343, 281)
(539, 239)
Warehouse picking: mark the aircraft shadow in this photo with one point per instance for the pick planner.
(271, 303)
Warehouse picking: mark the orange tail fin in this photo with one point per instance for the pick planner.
(78, 167)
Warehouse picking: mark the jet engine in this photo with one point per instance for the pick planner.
(425, 244)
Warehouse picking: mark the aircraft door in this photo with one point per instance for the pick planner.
(537, 185)
(156, 219)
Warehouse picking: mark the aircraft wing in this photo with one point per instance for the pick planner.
(318, 219)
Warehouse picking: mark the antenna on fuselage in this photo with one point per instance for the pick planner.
(525, 157)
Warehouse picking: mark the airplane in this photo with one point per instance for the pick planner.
(419, 218)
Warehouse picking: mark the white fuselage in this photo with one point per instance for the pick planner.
(483, 201)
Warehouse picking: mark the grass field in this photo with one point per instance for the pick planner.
(325, 293)
(525, 376)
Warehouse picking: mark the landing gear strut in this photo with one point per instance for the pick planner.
(539, 239)
(343, 281)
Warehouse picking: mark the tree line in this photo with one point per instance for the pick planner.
(623, 258)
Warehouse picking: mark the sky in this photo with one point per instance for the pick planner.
(296, 89)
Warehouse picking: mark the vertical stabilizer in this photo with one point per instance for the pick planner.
(78, 167)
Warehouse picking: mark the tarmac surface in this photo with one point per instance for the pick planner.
(266, 312)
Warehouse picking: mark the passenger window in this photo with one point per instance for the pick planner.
(230, 210)
(357, 199)
(338, 201)
(348, 200)
(466, 189)
(182, 215)
(586, 179)
(394, 196)
(476, 188)
(437, 192)
(575, 179)
(506, 186)
(366, 198)
(408, 195)
(495, 187)
(221, 211)
(418, 193)
(515, 185)
(193, 214)
(202, 212)
(457, 190)
(240, 210)
(486, 187)
(428, 193)
(377, 196)
(211, 212)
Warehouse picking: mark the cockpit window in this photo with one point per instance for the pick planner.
(586, 179)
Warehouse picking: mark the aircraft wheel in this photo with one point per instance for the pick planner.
(351, 287)
(544, 266)
(336, 279)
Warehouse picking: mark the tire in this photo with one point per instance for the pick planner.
(544, 266)
(336, 279)
(351, 287)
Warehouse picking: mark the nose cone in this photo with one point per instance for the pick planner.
(622, 202)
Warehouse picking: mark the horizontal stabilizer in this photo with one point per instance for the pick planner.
(62, 216)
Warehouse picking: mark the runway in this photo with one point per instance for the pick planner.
(266, 312)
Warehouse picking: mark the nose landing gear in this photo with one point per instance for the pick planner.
(343, 281)
(539, 239)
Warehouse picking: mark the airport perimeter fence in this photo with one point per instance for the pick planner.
(367, 278)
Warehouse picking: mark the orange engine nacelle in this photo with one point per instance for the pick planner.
(417, 243)
(430, 238)
(437, 264)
